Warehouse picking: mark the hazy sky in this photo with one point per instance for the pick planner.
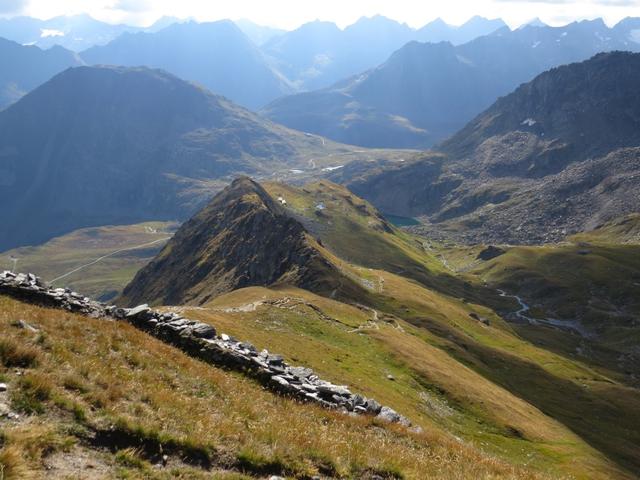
(291, 13)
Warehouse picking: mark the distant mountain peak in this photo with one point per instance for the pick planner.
(536, 22)
(477, 19)
(437, 22)
(376, 19)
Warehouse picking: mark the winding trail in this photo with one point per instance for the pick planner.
(98, 260)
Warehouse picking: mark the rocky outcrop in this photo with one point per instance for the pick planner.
(202, 341)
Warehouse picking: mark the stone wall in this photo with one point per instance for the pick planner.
(201, 340)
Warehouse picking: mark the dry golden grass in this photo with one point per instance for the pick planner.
(14, 354)
(119, 376)
(12, 464)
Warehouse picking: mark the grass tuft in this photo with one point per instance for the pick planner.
(13, 466)
(33, 390)
(14, 354)
(131, 457)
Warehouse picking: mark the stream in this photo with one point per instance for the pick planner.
(521, 313)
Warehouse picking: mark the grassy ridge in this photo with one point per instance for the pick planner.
(149, 399)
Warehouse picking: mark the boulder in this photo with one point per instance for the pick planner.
(202, 330)
(134, 312)
(389, 415)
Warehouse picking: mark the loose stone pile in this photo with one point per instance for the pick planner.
(202, 341)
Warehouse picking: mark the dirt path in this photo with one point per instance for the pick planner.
(98, 260)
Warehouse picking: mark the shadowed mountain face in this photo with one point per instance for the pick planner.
(424, 92)
(113, 145)
(216, 55)
(557, 156)
(24, 68)
(205, 257)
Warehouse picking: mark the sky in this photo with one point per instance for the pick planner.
(289, 14)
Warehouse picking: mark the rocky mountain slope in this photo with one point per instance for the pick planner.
(26, 67)
(425, 92)
(216, 55)
(113, 145)
(557, 156)
(205, 259)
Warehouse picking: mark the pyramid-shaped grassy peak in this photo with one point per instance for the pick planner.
(243, 237)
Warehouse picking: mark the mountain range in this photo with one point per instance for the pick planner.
(254, 66)
(104, 145)
(250, 64)
(426, 92)
(557, 156)
(319, 54)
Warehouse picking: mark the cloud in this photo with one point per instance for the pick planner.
(131, 5)
(12, 6)
(605, 3)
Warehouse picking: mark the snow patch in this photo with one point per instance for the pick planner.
(50, 32)
(535, 44)
(331, 169)
(530, 122)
